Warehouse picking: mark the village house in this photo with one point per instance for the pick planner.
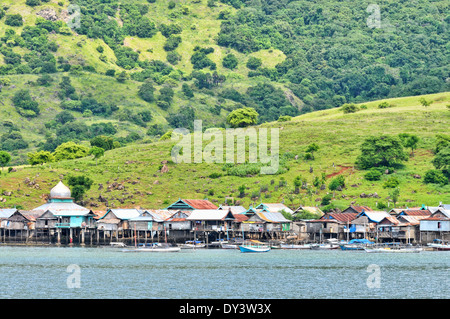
(330, 225)
(365, 223)
(21, 224)
(436, 226)
(263, 223)
(5, 213)
(397, 229)
(148, 225)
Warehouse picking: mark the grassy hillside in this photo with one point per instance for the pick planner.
(339, 136)
(309, 55)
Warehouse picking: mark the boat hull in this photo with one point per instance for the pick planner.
(440, 247)
(389, 250)
(154, 250)
(250, 249)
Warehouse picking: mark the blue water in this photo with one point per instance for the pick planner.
(106, 273)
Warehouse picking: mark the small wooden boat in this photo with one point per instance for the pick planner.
(254, 246)
(323, 246)
(156, 247)
(356, 244)
(229, 246)
(190, 244)
(440, 245)
(394, 249)
(294, 246)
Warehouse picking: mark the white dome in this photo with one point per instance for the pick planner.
(60, 191)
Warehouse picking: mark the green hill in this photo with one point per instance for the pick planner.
(131, 176)
(279, 57)
(134, 70)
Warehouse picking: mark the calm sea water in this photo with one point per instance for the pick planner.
(107, 273)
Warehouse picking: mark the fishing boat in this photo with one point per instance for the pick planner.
(154, 247)
(332, 244)
(438, 244)
(295, 246)
(393, 248)
(254, 246)
(191, 244)
(356, 244)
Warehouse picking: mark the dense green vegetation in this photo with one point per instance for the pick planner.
(134, 70)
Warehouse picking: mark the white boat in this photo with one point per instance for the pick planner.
(438, 244)
(394, 249)
(294, 246)
(156, 247)
(191, 244)
(229, 246)
(254, 246)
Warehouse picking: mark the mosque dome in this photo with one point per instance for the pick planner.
(60, 191)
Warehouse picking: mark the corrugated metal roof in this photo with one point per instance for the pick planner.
(234, 209)
(63, 208)
(375, 216)
(416, 212)
(208, 214)
(7, 212)
(341, 217)
(125, 213)
(200, 203)
(272, 217)
(275, 207)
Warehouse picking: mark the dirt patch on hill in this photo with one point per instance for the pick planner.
(342, 170)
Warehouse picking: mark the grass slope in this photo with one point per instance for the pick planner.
(339, 135)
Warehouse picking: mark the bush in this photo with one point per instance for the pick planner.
(172, 43)
(253, 63)
(24, 104)
(326, 200)
(336, 183)
(14, 20)
(391, 182)
(230, 61)
(435, 176)
(373, 175)
(384, 105)
(349, 108)
(146, 92)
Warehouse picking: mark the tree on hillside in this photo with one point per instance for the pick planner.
(4, 158)
(79, 185)
(442, 161)
(409, 140)
(97, 152)
(70, 150)
(146, 92)
(24, 103)
(310, 149)
(40, 157)
(381, 150)
(242, 117)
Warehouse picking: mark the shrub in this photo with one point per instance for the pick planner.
(391, 182)
(146, 92)
(14, 20)
(384, 105)
(253, 63)
(349, 108)
(230, 61)
(24, 104)
(373, 175)
(435, 176)
(336, 183)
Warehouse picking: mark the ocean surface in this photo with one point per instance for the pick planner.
(110, 273)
